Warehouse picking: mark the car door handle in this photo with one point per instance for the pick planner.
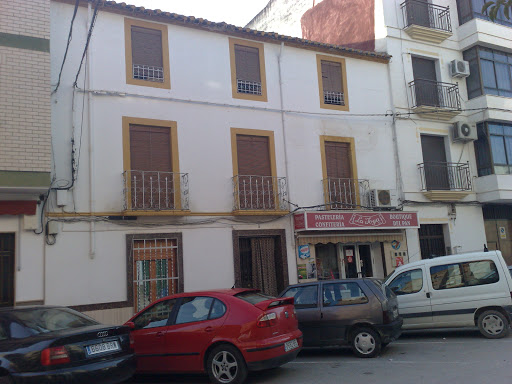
(208, 329)
(159, 334)
(428, 295)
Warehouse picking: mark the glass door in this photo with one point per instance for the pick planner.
(356, 261)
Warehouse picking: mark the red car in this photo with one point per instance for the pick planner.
(223, 332)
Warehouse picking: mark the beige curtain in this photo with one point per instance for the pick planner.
(263, 265)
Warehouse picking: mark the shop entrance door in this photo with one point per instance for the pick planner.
(357, 261)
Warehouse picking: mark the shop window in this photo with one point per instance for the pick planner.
(147, 54)
(247, 70)
(332, 82)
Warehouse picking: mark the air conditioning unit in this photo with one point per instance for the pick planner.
(464, 131)
(459, 68)
(382, 198)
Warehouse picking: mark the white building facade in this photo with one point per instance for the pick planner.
(451, 122)
(193, 160)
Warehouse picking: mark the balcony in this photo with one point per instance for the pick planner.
(445, 181)
(346, 193)
(436, 100)
(260, 195)
(425, 21)
(155, 191)
(494, 189)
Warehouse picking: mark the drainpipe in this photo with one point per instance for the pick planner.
(398, 174)
(293, 242)
(92, 172)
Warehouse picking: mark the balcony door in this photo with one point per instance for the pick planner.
(425, 80)
(342, 189)
(151, 176)
(419, 13)
(6, 269)
(255, 184)
(434, 158)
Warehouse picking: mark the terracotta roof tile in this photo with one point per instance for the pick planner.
(191, 21)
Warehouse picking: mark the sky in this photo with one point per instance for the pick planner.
(237, 12)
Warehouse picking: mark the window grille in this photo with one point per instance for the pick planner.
(334, 98)
(251, 87)
(150, 73)
(155, 270)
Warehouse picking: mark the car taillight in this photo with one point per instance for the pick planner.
(267, 320)
(55, 355)
(132, 342)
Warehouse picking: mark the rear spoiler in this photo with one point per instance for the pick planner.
(264, 305)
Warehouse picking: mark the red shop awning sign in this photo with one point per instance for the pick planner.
(330, 220)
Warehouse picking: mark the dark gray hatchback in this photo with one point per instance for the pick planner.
(360, 312)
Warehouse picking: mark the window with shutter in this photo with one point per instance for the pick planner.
(147, 54)
(247, 70)
(151, 165)
(256, 186)
(147, 58)
(332, 83)
(341, 187)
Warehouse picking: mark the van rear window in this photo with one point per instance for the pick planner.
(467, 274)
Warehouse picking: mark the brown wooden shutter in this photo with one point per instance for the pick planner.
(338, 160)
(147, 47)
(331, 76)
(253, 155)
(150, 148)
(247, 61)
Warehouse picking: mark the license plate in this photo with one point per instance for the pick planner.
(289, 345)
(102, 347)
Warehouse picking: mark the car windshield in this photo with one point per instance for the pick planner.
(43, 320)
(253, 297)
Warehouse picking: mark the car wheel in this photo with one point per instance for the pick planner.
(366, 342)
(226, 365)
(493, 324)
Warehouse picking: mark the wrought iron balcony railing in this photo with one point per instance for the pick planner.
(437, 176)
(346, 193)
(422, 13)
(435, 94)
(155, 191)
(261, 193)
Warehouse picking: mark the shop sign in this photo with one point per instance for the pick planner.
(329, 220)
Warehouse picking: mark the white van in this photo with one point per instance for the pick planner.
(464, 290)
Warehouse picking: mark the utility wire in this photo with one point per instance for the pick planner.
(67, 45)
(89, 34)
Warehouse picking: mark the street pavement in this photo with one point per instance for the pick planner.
(444, 357)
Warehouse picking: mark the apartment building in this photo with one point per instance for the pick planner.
(25, 146)
(203, 155)
(450, 90)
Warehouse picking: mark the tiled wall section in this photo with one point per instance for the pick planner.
(25, 17)
(25, 131)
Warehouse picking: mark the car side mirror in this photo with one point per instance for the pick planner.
(131, 325)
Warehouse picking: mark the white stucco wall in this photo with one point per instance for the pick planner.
(200, 101)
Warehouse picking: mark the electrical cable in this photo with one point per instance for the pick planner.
(89, 35)
(67, 45)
